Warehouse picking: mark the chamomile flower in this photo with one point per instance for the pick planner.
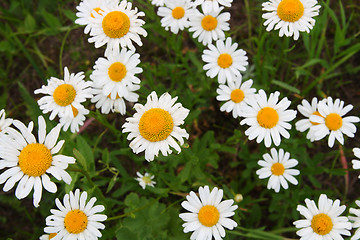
(304, 124)
(356, 221)
(268, 119)
(117, 25)
(158, 3)
(224, 60)
(74, 121)
(356, 162)
(324, 221)
(4, 122)
(106, 104)
(209, 26)
(290, 16)
(278, 167)
(210, 5)
(333, 122)
(76, 219)
(85, 9)
(30, 162)
(175, 15)
(47, 236)
(145, 180)
(208, 216)
(116, 73)
(155, 126)
(236, 95)
(64, 95)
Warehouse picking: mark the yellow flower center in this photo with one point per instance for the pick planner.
(96, 10)
(178, 12)
(51, 235)
(321, 224)
(333, 121)
(208, 215)
(117, 71)
(75, 221)
(267, 117)
(35, 159)
(146, 179)
(209, 23)
(75, 111)
(224, 60)
(156, 125)
(277, 169)
(290, 10)
(116, 24)
(317, 114)
(64, 94)
(237, 95)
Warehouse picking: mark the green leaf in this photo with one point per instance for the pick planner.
(81, 159)
(29, 23)
(87, 152)
(286, 86)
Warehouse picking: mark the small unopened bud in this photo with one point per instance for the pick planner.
(238, 197)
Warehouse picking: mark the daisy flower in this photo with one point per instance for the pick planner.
(155, 126)
(355, 162)
(116, 73)
(85, 9)
(268, 119)
(355, 220)
(332, 121)
(210, 5)
(175, 15)
(30, 161)
(74, 121)
(76, 219)
(236, 94)
(278, 168)
(323, 222)
(224, 60)
(47, 236)
(4, 122)
(145, 180)
(304, 124)
(290, 16)
(106, 104)
(64, 95)
(208, 215)
(209, 26)
(118, 25)
(158, 3)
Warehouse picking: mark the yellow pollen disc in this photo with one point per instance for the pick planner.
(208, 215)
(267, 117)
(209, 23)
(146, 179)
(116, 24)
(96, 10)
(290, 10)
(117, 71)
(75, 111)
(156, 125)
(178, 12)
(64, 94)
(35, 159)
(51, 235)
(317, 114)
(333, 121)
(237, 95)
(75, 221)
(277, 169)
(224, 60)
(321, 224)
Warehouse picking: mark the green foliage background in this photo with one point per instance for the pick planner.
(39, 38)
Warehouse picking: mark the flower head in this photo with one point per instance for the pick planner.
(332, 121)
(208, 215)
(224, 60)
(278, 167)
(76, 219)
(290, 16)
(324, 221)
(30, 161)
(268, 118)
(155, 126)
(145, 180)
(74, 121)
